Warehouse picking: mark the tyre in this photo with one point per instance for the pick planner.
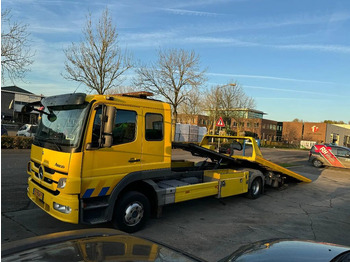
(131, 212)
(317, 163)
(255, 189)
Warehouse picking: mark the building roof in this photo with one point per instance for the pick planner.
(247, 110)
(342, 125)
(15, 89)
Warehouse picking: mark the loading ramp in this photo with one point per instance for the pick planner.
(211, 150)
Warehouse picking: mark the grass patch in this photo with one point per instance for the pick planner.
(285, 165)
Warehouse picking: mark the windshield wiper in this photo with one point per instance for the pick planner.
(50, 140)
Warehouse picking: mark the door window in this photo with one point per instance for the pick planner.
(96, 129)
(124, 130)
(342, 152)
(154, 127)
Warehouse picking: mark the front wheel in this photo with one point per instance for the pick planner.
(255, 189)
(317, 163)
(132, 212)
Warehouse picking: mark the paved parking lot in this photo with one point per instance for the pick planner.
(210, 228)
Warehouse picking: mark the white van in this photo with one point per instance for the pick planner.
(27, 130)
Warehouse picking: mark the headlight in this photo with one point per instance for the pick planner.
(62, 183)
(62, 208)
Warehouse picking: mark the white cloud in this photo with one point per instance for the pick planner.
(322, 48)
(293, 91)
(270, 78)
(189, 12)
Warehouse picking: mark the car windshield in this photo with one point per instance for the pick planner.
(61, 127)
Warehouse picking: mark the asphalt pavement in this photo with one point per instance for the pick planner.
(210, 228)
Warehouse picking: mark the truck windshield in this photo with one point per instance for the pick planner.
(61, 130)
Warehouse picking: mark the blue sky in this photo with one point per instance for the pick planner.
(293, 57)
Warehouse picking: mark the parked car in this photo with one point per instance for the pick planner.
(3, 131)
(91, 245)
(290, 250)
(27, 130)
(102, 244)
(330, 155)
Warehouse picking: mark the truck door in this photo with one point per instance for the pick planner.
(111, 164)
(155, 142)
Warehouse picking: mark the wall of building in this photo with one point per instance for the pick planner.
(6, 99)
(339, 132)
(315, 132)
(268, 130)
(252, 125)
(199, 120)
(292, 132)
(264, 128)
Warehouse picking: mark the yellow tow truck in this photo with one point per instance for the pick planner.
(99, 158)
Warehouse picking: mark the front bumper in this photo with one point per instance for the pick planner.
(45, 202)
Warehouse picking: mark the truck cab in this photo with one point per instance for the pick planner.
(85, 145)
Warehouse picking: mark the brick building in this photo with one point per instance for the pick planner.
(294, 132)
(263, 128)
(251, 120)
(314, 132)
(198, 120)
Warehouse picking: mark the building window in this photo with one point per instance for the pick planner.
(256, 125)
(234, 124)
(154, 127)
(248, 125)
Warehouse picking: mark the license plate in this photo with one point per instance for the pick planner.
(38, 194)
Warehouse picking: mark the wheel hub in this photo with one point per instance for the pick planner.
(133, 214)
(256, 188)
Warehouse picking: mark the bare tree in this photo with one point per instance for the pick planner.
(16, 55)
(193, 104)
(173, 76)
(226, 101)
(97, 61)
(212, 101)
(121, 90)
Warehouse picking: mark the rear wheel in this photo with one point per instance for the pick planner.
(255, 189)
(132, 212)
(317, 163)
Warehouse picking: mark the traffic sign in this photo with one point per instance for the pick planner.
(220, 122)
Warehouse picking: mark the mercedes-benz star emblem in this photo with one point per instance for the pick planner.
(41, 173)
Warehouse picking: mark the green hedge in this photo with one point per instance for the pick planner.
(19, 142)
(271, 144)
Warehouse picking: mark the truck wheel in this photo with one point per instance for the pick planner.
(131, 212)
(255, 188)
(317, 163)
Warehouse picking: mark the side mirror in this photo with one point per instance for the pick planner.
(52, 117)
(108, 126)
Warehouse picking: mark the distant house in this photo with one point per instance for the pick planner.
(13, 98)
